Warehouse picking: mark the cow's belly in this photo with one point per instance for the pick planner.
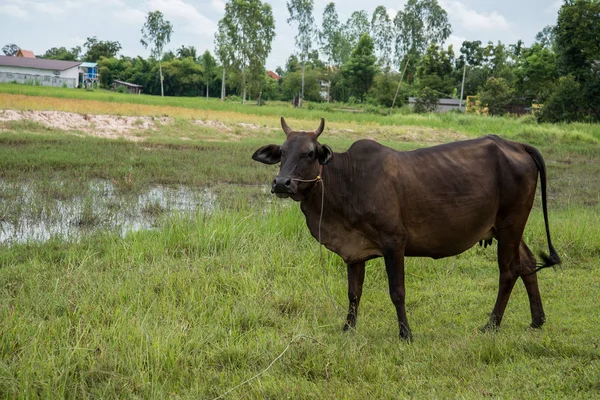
(447, 239)
(352, 246)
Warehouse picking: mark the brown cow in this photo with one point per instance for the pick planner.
(432, 202)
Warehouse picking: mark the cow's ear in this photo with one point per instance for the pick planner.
(324, 154)
(269, 154)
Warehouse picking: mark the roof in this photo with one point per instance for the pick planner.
(86, 64)
(25, 53)
(127, 84)
(272, 75)
(39, 63)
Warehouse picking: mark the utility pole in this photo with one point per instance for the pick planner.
(462, 87)
(398, 88)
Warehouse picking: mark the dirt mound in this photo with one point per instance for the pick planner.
(111, 126)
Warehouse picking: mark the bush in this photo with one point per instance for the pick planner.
(121, 89)
(565, 102)
(496, 94)
(427, 101)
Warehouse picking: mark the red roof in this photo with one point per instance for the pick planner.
(25, 53)
(272, 75)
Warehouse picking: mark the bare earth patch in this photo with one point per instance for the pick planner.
(133, 127)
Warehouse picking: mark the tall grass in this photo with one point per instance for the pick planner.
(199, 306)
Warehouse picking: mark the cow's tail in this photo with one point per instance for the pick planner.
(553, 258)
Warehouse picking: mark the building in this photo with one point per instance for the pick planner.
(444, 105)
(39, 71)
(131, 87)
(25, 53)
(273, 75)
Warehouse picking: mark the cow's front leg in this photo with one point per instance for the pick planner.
(356, 277)
(394, 266)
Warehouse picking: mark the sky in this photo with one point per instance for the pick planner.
(38, 25)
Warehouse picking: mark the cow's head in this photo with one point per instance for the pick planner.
(301, 156)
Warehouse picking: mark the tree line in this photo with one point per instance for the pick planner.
(369, 59)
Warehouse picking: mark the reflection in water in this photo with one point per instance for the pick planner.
(28, 214)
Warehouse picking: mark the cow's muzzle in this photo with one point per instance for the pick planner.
(283, 187)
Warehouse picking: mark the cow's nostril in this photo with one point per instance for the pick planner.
(288, 183)
(274, 181)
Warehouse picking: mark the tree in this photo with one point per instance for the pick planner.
(186, 52)
(360, 68)
(301, 14)
(357, 25)
(156, 32)
(536, 72)
(545, 37)
(248, 29)
(10, 49)
(578, 49)
(61, 53)
(496, 95)
(381, 26)
(224, 51)
(419, 24)
(209, 64)
(96, 49)
(565, 104)
(434, 70)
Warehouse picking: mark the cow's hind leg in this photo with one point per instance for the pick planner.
(530, 280)
(394, 266)
(509, 265)
(356, 277)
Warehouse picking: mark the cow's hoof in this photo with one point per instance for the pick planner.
(406, 334)
(348, 327)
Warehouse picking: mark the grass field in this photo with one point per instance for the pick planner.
(199, 305)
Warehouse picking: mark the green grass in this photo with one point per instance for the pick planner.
(524, 128)
(197, 306)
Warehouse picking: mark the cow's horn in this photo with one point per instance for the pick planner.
(320, 128)
(286, 129)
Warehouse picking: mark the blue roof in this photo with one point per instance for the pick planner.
(89, 64)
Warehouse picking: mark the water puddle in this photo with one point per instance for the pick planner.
(32, 212)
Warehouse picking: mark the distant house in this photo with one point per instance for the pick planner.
(39, 71)
(131, 87)
(273, 75)
(25, 53)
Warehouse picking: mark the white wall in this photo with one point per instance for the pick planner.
(45, 77)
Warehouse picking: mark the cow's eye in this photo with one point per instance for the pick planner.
(310, 154)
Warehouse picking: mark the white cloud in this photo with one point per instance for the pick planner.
(179, 10)
(472, 20)
(554, 7)
(218, 5)
(392, 13)
(131, 16)
(456, 42)
(13, 11)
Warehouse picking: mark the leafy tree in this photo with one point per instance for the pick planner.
(435, 70)
(292, 64)
(381, 27)
(248, 28)
(420, 23)
(10, 49)
(96, 49)
(224, 51)
(334, 43)
(427, 101)
(473, 53)
(496, 95)
(61, 53)
(545, 37)
(360, 68)
(384, 89)
(578, 49)
(536, 72)
(186, 52)
(566, 103)
(301, 14)
(183, 77)
(356, 26)
(157, 33)
(209, 64)
(292, 83)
